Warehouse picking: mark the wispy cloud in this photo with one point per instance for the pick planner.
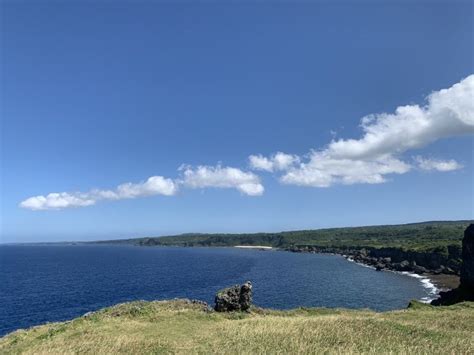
(154, 185)
(278, 161)
(369, 159)
(437, 164)
(200, 177)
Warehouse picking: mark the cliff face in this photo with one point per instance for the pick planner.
(465, 291)
(432, 261)
(467, 269)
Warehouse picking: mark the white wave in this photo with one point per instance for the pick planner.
(433, 291)
(360, 264)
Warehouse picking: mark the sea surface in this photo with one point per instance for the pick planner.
(46, 283)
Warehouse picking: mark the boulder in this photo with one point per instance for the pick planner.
(403, 266)
(379, 267)
(235, 298)
(419, 269)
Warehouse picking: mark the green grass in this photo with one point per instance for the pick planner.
(180, 327)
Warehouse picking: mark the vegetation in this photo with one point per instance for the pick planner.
(180, 327)
(417, 236)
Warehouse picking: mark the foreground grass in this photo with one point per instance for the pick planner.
(181, 327)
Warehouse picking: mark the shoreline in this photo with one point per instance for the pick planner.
(436, 283)
(436, 278)
(425, 280)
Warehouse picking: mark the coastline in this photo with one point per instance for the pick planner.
(425, 280)
(432, 273)
(445, 282)
(434, 282)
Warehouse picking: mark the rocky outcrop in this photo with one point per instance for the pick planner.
(235, 298)
(467, 268)
(444, 261)
(465, 291)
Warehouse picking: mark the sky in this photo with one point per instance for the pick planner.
(128, 119)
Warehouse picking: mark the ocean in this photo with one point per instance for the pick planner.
(47, 283)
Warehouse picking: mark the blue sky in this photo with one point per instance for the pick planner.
(202, 97)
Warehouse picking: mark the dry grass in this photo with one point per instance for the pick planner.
(180, 327)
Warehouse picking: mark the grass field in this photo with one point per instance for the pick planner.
(180, 327)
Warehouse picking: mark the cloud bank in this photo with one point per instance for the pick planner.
(201, 177)
(386, 137)
(154, 185)
(369, 159)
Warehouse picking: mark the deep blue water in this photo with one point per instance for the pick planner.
(58, 282)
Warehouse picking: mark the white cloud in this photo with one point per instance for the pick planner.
(323, 171)
(155, 185)
(279, 161)
(436, 164)
(378, 153)
(56, 200)
(448, 112)
(222, 177)
(200, 177)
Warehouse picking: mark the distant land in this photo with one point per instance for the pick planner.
(432, 247)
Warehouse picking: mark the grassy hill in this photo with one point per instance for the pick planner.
(181, 327)
(415, 236)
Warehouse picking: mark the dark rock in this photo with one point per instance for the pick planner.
(245, 299)
(402, 266)
(449, 271)
(450, 297)
(467, 267)
(379, 267)
(419, 269)
(235, 298)
(465, 291)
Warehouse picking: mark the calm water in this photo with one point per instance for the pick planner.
(51, 283)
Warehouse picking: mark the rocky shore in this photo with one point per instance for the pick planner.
(448, 271)
(443, 271)
(394, 259)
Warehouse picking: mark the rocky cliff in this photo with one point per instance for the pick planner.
(442, 261)
(465, 291)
